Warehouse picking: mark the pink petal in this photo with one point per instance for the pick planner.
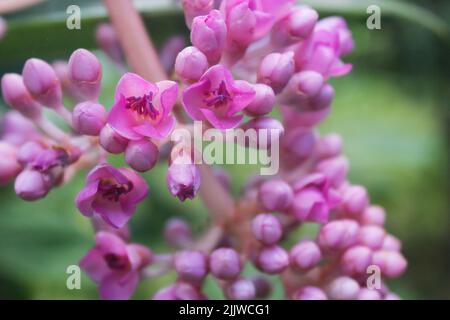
(167, 96)
(85, 197)
(140, 187)
(193, 98)
(107, 242)
(133, 85)
(123, 121)
(222, 123)
(216, 74)
(264, 22)
(113, 212)
(339, 69)
(112, 288)
(243, 95)
(94, 265)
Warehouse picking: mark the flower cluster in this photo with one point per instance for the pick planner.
(247, 57)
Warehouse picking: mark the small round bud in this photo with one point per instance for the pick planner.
(267, 228)
(368, 294)
(356, 260)
(373, 215)
(329, 146)
(41, 81)
(183, 180)
(241, 289)
(371, 236)
(111, 141)
(225, 264)
(85, 72)
(32, 185)
(107, 40)
(141, 155)
(177, 232)
(194, 8)
(305, 255)
(300, 142)
(17, 96)
(29, 152)
(338, 235)
(391, 243)
(276, 69)
(309, 293)
(89, 118)
(343, 288)
(335, 169)
(391, 263)
(263, 102)
(275, 195)
(267, 130)
(190, 64)
(355, 200)
(272, 260)
(191, 266)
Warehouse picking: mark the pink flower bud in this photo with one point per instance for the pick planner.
(354, 200)
(225, 264)
(170, 50)
(356, 259)
(183, 180)
(343, 288)
(323, 99)
(373, 215)
(191, 265)
(346, 43)
(297, 25)
(275, 195)
(179, 291)
(17, 96)
(391, 243)
(177, 232)
(111, 141)
(267, 228)
(42, 82)
(338, 235)
(85, 72)
(107, 40)
(241, 289)
(300, 142)
(190, 64)
(391, 263)
(29, 152)
(194, 8)
(208, 34)
(371, 236)
(305, 255)
(263, 287)
(301, 88)
(276, 69)
(141, 155)
(89, 118)
(263, 102)
(16, 129)
(9, 166)
(335, 169)
(309, 293)
(267, 129)
(368, 294)
(272, 260)
(329, 146)
(32, 185)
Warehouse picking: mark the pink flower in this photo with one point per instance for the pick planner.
(313, 199)
(115, 265)
(112, 194)
(143, 109)
(217, 98)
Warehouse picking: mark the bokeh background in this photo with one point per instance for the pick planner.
(392, 111)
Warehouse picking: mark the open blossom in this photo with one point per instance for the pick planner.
(112, 194)
(143, 109)
(115, 265)
(218, 98)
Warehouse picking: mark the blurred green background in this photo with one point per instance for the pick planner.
(392, 111)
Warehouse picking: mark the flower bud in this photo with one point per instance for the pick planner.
(329, 146)
(17, 96)
(169, 52)
(343, 288)
(177, 232)
(309, 293)
(276, 69)
(16, 129)
(391, 243)
(29, 152)
(183, 180)
(89, 118)
(355, 200)
(225, 264)
(267, 228)
(391, 263)
(300, 142)
(356, 259)
(346, 43)
(190, 64)
(208, 34)
(263, 102)
(305, 255)
(297, 25)
(371, 236)
(323, 99)
(263, 287)
(85, 72)
(191, 266)
(338, 235)
(301, 87)
(373, 215)
(41, 81)
(107, 40)
(9, 166)
(178, 291)
(111, 141)
(241, 289)
(141, 155)
(268, 130)
(272, 260)
(275, 195)
(391, 296)
(195, 8)
(32, 185)
(335, 169)
(368, 294)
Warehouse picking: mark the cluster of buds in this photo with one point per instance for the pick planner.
(247, 57)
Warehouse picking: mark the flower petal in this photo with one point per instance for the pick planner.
(112, 288)
(133, 85)
(94, 265)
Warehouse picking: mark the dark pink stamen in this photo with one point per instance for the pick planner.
(116, 262)
(219, 96)
(142, 105)
(112, 191)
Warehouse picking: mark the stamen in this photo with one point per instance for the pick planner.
(112, 191)
(142, 105)
(219, 96)
(116, 262)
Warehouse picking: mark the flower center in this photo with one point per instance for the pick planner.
(186, 192)
(218, 97)
(112, 191)
(116, 262)
(48, 159)
(142, 105)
